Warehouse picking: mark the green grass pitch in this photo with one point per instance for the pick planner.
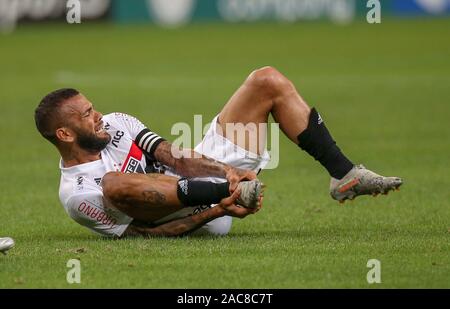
(383, 90)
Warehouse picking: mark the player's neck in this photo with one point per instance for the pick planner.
(76, 156)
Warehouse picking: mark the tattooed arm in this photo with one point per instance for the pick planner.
(189, 224)
(178, 227)
(188, 163)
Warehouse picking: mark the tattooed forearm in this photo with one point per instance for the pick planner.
(200, 167)
(153, 197)
(187, 162)
(177, 227)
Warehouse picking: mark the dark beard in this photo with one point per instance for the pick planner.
(92, 142)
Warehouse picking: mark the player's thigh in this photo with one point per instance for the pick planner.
(246, 105)
(243, 119)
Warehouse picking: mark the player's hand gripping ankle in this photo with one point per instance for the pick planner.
(231, 209)
(236, 175)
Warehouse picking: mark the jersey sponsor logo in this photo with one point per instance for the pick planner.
(132, 165)
(116, 138)
(97, 214)
(133, 161)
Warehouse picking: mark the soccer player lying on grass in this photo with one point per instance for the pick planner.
(118, 178)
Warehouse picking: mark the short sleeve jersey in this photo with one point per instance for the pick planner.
(130, 150)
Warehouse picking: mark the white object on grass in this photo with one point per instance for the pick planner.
(6, 243)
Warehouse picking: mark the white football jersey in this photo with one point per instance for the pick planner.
(130, 150)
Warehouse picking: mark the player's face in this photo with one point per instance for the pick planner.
(87, 124)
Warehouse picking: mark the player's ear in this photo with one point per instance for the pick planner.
(64, 134)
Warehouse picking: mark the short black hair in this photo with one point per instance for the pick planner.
(46, 114)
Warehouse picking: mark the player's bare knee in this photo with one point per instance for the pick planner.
(263, 77)
(269, 80)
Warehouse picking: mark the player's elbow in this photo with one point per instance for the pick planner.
(112, 184)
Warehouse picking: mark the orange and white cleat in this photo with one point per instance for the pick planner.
(361, 181)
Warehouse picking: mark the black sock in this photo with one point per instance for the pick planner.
(194, 192)
(317, 141)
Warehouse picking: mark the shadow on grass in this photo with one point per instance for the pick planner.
(318, 233)
(343, 232)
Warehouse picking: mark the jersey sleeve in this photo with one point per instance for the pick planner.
(87, 209)
(145, 139)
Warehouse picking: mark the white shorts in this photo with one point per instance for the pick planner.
(219, 148)
(216, 146)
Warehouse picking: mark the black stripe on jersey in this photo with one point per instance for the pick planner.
(147, 141)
